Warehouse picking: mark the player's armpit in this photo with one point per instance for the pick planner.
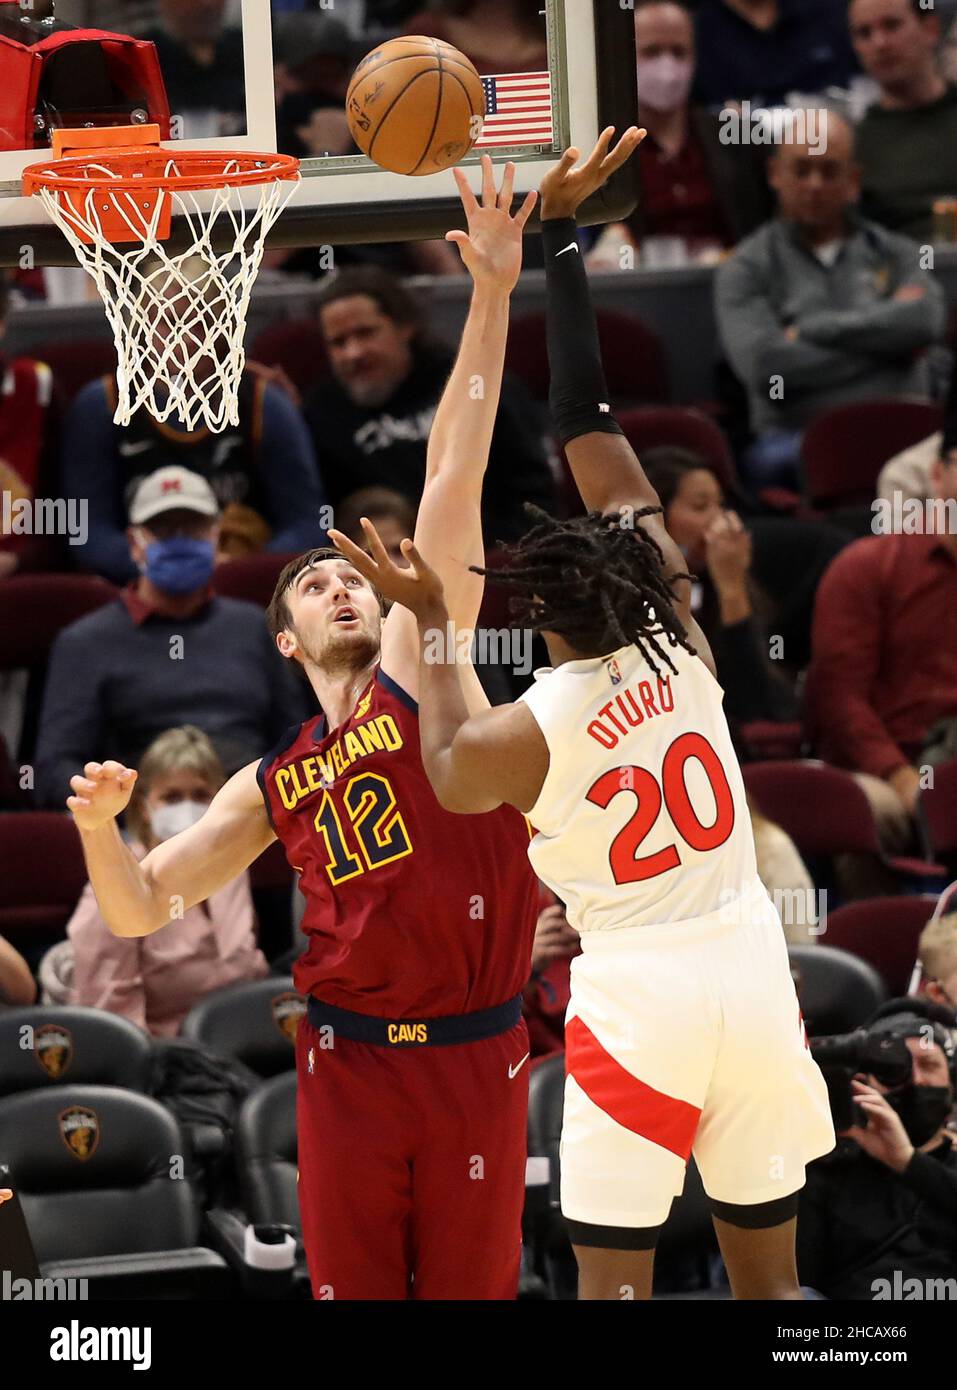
(498, 756)
(193, 865)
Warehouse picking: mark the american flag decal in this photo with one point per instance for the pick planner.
(518, 110)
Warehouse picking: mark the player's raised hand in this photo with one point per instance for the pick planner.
(492, 247)
(417, 588)
(100, 792)
(564, 188)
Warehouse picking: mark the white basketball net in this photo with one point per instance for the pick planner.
(178, 320)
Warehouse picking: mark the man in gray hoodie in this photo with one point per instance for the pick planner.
(819, 307)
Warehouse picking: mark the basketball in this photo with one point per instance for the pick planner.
(415, 105)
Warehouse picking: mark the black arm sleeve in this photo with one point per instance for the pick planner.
(578, 395)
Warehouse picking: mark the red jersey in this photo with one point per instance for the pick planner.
(411, 911)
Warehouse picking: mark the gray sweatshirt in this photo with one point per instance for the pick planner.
(854, 340)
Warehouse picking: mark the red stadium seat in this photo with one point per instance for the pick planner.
(651, 426)
(938, 811)
(884, 932)
(824, 811)
(75, 362)
(251, 577)
(845, 449)
(298, 347)
(36, 606)
(43, 873)
(635, 366)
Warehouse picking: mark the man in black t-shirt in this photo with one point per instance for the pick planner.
(371, 419)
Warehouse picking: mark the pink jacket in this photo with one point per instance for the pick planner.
(155, 980)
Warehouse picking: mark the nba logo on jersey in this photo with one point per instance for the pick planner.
(614, 670)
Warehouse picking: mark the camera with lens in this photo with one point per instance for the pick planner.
(885, 1056)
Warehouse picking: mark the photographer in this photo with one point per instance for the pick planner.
(885, 1201)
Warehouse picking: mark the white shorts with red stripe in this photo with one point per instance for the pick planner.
(687, 1038)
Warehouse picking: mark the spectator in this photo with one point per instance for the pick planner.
(392, 515)
(817, 308)
(27, 450)
(155, 980)
(263, 472)
(727, 602)
(371, 420)
(882, 1208)
(763, 49)
(17, 985)
(166, 652)
(693, 185)
(909, 474)
(937, 953)
(204, 68)
(907, 140)
(784, 874)
(884, 666)
(548, 990)
(497, 35)
(313, 56)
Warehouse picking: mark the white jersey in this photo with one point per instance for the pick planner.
(642, 817)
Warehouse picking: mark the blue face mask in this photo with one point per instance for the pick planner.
(180, 564)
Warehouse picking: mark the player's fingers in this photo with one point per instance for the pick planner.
(379, 552)
(623, 151)
(527, 208)
(82, 785)
(508, 183)
(596, 158)
(414, 558)
(74, 803)
(111, 768)
(488, 182)
(469, 201)
(567, 161)
(6, 1194)
(93, 770)
(353, 554)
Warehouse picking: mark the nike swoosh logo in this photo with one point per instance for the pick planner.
(129, 450)
(572, 246)
(514, 1071)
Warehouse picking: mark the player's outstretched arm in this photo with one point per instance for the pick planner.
(449, 524)
(605, 467)
(137, 898)
(474, 761)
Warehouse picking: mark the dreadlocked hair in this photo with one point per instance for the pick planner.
(595, 582)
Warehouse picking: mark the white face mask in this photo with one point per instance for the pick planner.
(168, 821)
(664, 82)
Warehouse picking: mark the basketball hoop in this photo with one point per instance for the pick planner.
(178, 317)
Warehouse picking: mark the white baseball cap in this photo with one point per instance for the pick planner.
(172, 489)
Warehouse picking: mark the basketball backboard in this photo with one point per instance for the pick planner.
(275, 84)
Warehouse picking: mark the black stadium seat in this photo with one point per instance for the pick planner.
(95, 1169)
(838, 991)
(266, 1152)
(72, 1046)
(255, 1022)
